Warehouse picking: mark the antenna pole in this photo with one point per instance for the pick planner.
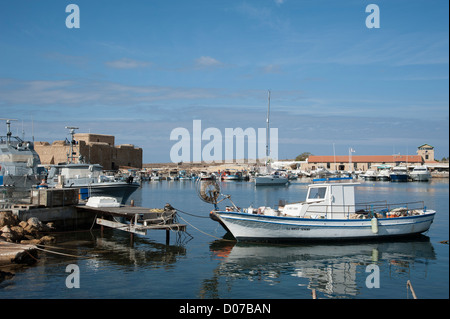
(72, 133)
(8, 129)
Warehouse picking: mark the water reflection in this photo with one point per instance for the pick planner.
(117, 250)
(335, 270)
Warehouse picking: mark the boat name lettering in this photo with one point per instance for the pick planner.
(298, 228)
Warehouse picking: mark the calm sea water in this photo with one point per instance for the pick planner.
(205, 266)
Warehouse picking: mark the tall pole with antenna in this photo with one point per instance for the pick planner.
(8, 129)
(72, 133)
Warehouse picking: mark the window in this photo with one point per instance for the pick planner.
(317, 193)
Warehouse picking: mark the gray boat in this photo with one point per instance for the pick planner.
(89, 178)
(19, 170)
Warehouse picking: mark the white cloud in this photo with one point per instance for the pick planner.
(126, 63)
(207, 62)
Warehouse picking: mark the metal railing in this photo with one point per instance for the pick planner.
(369, 209)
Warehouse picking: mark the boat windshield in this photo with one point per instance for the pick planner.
(317, 192)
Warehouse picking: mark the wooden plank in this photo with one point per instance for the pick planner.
(120, 226)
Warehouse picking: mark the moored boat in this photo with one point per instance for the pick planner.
(328, 213)
(399, 174)
(90, 181)
(19, 168)
(370, 175)
(421, 174)
(271, 180)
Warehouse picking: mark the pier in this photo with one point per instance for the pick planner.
(136, 220)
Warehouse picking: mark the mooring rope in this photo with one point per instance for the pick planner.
(46, 250)
(190, 214)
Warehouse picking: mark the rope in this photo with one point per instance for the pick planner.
(62, 254)
(46, 250)
(205, 232)
(189, 213)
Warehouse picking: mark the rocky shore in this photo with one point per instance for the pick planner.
(19, 240)
(24, 232)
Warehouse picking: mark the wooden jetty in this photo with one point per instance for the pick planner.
(136, 220)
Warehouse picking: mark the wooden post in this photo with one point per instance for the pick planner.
(409, 285)
(167, 237)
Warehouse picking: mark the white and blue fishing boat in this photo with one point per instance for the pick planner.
(328, 213)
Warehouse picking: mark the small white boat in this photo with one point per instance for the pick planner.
(383, 175)
(421, 174)
(271, 180)
(370, 175)
(328, 213)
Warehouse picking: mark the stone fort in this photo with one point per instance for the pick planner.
(91, 148)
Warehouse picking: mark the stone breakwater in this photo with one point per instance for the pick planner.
(18, 240)
(28, 232)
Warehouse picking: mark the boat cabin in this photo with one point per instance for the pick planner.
(71, 172)
(330, 200)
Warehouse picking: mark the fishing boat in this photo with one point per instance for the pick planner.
(399, 174)
(421, 174)
(328, 213)
(231, 175)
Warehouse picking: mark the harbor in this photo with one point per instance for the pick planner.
(213, 265)
(224, 150)
(50, 212)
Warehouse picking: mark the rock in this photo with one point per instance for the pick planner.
(18, 232)
(13, 233)
(47, 240)
(8, 218)
(35, 222)
(5, 275)
(31, 230)
(50, 225)
(6, 233)
(33, 241)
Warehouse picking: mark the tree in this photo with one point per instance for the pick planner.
(303, 156)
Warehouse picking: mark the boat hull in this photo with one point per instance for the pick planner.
(421, 177)
(253, 227)
(120, 191)
(399, 178)
(270, 181)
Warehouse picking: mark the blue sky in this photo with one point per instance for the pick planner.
(139, 69)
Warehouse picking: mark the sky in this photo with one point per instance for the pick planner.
(140, 69)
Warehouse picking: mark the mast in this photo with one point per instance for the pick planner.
(72, 133)
(8, 130)
(267, 129)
